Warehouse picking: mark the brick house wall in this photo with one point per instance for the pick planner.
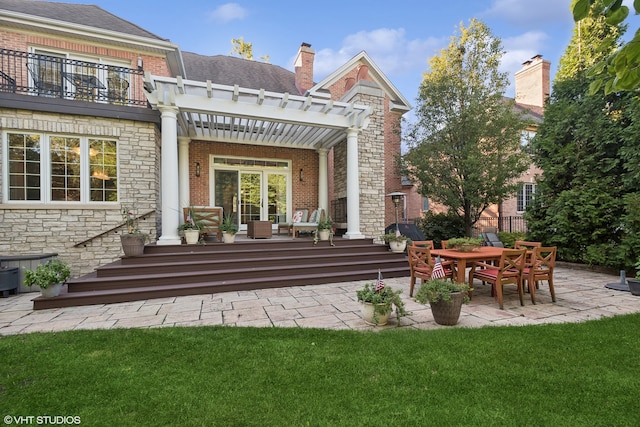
(304, 193)
(37, 228)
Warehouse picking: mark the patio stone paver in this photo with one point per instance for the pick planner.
(580, 294)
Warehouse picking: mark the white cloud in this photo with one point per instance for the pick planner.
(228, 12)
(387, 47)
(519, 49)
(527, 14)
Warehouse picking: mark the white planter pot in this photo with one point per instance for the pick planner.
(324, 234)
(228, 237)
(367, 310)
(398, 246)
(191, 236)
(51, 290)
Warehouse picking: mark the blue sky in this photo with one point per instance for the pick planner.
(399, 36)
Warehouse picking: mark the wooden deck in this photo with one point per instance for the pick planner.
(168, 271)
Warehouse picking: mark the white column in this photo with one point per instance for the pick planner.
(183, 174)
(323, 180)
(353, 187)
(169, 174)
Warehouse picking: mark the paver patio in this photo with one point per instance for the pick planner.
(580, 295)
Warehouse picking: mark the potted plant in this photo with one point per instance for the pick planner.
(324, 231)
(445, 298)
(49, 276)
(464, 244)
(634, 284)
(229, 228)
(378, 301)
(191, 228)
(133, 240)
(397, 242)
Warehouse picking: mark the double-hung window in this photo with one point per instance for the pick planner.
(58, 168)
(525, 196)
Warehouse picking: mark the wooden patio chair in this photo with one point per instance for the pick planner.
(508, 271)
(421, 265)
(543, 261)
(522, 244)
(423, 244)
(211, 218)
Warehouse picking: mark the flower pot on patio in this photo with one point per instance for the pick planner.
(324, 234)
(448, 312)
(228, 237)
(191, 236)
(368, 311)
(397, 245)
(132, 244)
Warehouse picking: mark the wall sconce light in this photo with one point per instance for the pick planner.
(140, 63)
(301, 175)
(198, 169)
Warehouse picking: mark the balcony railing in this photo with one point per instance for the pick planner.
(55, 77)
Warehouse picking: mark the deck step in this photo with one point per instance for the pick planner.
(170, 271)
(109, 296)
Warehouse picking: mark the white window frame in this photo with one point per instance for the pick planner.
(45, 169)
(522, 195)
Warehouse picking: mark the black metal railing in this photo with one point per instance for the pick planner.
(509, 224)
(57, 77)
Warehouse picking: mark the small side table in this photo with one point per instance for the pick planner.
(259, 229)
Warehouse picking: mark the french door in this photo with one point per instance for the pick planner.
(249, 194)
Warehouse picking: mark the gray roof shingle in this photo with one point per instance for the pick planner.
(229, 70)
(84, 14)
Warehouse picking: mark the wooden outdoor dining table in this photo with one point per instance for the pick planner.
(483, 253)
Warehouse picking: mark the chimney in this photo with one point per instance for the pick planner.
(304, 68)
(533, 84)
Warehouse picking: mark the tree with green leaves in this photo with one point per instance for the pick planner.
(245, 49)
(620, 70)
(464, 147)
(582, 202)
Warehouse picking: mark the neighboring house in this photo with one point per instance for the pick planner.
(532, 85)
(97, 115)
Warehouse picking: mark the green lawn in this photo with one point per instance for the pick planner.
(584, 374)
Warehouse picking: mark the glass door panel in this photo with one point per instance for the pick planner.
(226, 191)
(277, 197)
(250, 197)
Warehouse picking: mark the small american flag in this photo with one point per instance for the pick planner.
(379, 282)
(438, 271)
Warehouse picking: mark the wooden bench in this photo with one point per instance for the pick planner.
(211, 218)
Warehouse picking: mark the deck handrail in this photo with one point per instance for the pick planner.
(57, 77)
(141, 216)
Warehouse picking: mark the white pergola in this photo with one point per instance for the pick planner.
(210, 112)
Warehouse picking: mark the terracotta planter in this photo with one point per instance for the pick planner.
(448, 312)
(191, 236)
(132, 244)
(367, 310)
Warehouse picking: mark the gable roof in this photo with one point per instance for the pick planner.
(398, 101)
(229, 70)
(82, 14)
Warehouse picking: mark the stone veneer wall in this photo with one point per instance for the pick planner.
(34, 228)
(371, 148)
